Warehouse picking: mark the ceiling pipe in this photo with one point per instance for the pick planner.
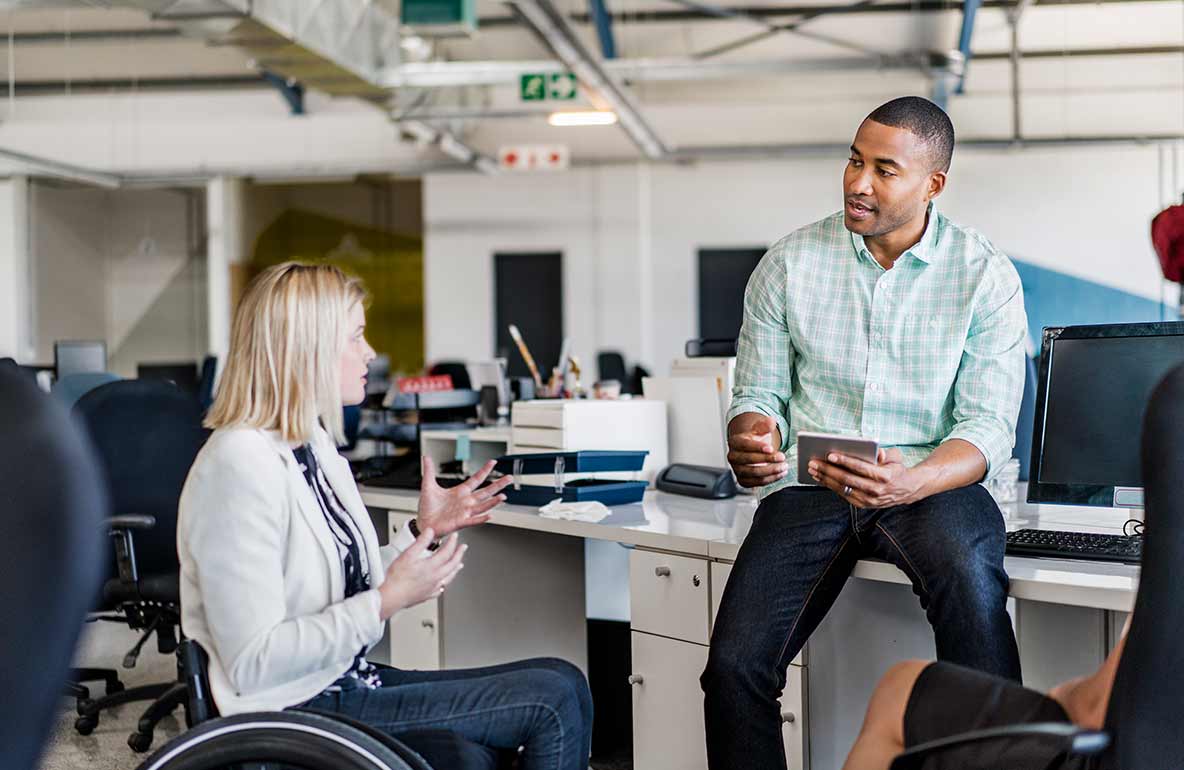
(492, 73)
(450, 144)
(61, 170)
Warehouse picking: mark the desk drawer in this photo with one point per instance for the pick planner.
(537, 415)
(415, 637)
(719, 579)
(543, 438)
(794, 730)
(415, 631)
(668, 732)
(670, 595)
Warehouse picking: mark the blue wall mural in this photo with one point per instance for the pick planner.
(1057, 299)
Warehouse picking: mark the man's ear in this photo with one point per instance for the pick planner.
(937, 184)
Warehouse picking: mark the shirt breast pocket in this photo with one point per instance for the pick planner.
(930, 347)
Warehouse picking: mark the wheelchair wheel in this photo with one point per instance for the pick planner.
(283, 738)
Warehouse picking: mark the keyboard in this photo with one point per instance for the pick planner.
(1075, 545)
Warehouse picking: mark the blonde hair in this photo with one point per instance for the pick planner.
(283, 370)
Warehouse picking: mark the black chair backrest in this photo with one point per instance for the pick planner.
(205, 383)
(1142, 717)
(146, 434)
(610, 365)
(456, 370)
(51, 545)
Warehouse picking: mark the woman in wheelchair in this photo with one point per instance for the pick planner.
(919, 701)
(1124, 716)
(282, 578)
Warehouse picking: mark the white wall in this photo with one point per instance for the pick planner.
(116, 266)
(591, 216)
(1080, 210)
(15, 273)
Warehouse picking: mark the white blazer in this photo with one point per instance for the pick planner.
(262, 586)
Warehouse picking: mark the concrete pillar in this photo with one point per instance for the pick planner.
(16, 285)
(224, 211)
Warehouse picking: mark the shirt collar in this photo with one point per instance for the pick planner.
(923, 249)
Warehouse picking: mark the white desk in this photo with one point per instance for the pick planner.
(522, 592)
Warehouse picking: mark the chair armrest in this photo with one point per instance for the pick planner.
(121, 528)
(131, 521)
(1074, 740)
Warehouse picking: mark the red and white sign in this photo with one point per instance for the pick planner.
(432, 384)
(534, 157)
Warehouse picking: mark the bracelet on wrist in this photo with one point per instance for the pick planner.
(414, 527)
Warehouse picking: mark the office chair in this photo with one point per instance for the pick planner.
(610, 365)
(454, 369)
(74, 386)
(205, 383)
(1027, 418)
(215, 741)
(146, 435)
(51, 552)
(1141, 730)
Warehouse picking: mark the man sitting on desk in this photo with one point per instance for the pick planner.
(888, 321)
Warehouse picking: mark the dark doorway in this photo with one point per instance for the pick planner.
(723, 275)
(529, 290)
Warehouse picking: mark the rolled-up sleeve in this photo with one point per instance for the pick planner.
(990, 380)
(764, 363)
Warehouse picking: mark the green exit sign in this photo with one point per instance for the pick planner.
(554, 86)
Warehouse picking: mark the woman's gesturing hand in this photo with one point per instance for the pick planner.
(447, 510)
(419, 574)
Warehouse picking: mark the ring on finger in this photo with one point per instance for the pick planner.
(847, 491)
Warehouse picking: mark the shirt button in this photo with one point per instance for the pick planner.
(873, 387)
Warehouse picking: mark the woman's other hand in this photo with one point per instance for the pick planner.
(419, 574)
(447, 510)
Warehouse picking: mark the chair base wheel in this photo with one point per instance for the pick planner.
(139, 742)
(83, 705)
(86, 725)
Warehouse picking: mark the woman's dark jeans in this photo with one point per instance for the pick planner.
(802, 547)
(542, 705)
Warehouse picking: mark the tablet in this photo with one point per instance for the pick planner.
(816, 446)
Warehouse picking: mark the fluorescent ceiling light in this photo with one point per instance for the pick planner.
(585, 118)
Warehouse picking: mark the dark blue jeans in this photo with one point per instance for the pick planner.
(803, 544)
(542, 705)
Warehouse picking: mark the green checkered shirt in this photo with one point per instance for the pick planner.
(928, 351)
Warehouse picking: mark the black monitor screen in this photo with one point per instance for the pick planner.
(79, 358)
(1095, 393)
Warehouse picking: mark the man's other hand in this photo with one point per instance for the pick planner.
(754, 450)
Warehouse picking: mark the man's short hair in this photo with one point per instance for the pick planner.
(923, 119)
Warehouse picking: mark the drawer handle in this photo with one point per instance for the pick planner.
(788, 717)
(661, 571)
(428, 623)
(636, 679)
(695, 581)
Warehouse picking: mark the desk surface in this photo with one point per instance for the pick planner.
(715, 529)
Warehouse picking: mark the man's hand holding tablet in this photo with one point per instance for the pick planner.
(864, 484)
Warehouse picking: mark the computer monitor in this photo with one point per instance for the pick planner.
(1092, 391)
(183, 375)
(79, 357)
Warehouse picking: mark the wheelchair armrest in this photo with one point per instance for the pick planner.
(121, 528)
(131, 521)
(1074, 740)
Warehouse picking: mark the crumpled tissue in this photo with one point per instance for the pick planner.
(591, 511)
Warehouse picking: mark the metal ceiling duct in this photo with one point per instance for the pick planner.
(340, 47)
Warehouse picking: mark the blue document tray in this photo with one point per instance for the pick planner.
(558, 464)
(536, 463)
